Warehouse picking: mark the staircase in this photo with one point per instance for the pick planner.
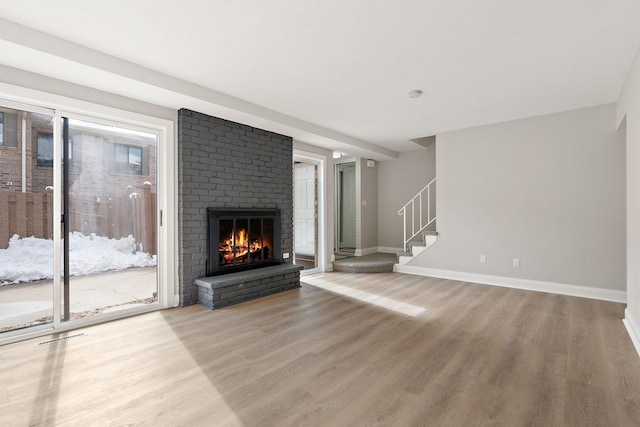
(416, 248)
(417, 214)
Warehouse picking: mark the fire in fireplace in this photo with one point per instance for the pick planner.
(238, 247)
(240, 239)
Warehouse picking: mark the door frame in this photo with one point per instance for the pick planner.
(164, 125)
(338, 206)
(321, 163)
(304, 195)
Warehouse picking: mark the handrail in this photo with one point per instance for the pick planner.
(422, 221)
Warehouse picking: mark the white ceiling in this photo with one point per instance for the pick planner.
(336, 73)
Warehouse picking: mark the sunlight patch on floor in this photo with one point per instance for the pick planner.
(370, 298)
(199, 381)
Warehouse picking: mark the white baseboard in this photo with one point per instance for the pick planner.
(632, 329)
(512, 282)
(366, 251)
(390, 250)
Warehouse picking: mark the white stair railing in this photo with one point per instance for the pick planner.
(418, 213)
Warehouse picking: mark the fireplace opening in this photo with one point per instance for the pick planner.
(242, 239)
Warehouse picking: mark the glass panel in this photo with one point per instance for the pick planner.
(122, 158)
(255, 239)
(135, 160)
(45, 149)
(112, 219)
(226, 242)
(9, 127)
(26, 222)
(241, 241)
(267, 237)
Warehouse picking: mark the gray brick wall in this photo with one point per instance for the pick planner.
(224, 164)
(228, 289)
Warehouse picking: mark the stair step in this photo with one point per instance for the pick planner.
(430, 239)
(403, 259)
(373, 263)
(417, 249)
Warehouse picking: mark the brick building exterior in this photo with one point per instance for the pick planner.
(106, 165)
(94, 158)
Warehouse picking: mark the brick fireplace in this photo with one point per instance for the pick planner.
(225, 166)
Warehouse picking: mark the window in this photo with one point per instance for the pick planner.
(44, 143)
(45, 149)
(8, 130)
(128, 159)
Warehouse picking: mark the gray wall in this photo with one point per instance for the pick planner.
(628, 113)
(367, 233)
(226, 164)
(549, 190)
(398, 181)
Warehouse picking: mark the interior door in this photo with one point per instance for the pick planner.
(347, 207)
(305, 209)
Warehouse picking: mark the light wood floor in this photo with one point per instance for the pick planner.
(476, 355)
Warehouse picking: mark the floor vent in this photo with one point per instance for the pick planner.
(55, 340)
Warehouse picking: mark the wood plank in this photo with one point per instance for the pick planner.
(38, 214)
(48, 209)
(478, 355)
(5, 231)
(21, 215)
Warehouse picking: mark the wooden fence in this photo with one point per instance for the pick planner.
(30, 214)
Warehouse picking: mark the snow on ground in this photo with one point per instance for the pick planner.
(30, 259)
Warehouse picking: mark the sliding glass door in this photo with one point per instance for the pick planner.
(109, 177)
(78, 218)
(26, 216)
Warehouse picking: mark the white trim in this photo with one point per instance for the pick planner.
(512, 282)
(366, 251)
(77, 324)
(164, 128)
(57, 219)
(389, 250)
(17, 335)
(321, 210)
(632, 329)
(310, 271)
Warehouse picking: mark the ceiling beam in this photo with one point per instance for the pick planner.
(170, 91)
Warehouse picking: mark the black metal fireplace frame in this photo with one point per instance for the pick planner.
(215, 215)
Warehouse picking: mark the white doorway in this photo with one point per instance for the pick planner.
(346, 208)
(306, 213)
(309, 205)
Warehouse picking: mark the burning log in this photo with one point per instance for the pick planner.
(238, 249)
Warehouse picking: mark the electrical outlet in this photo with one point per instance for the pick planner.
(516, 262)
(285, 255)
(483, 259)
